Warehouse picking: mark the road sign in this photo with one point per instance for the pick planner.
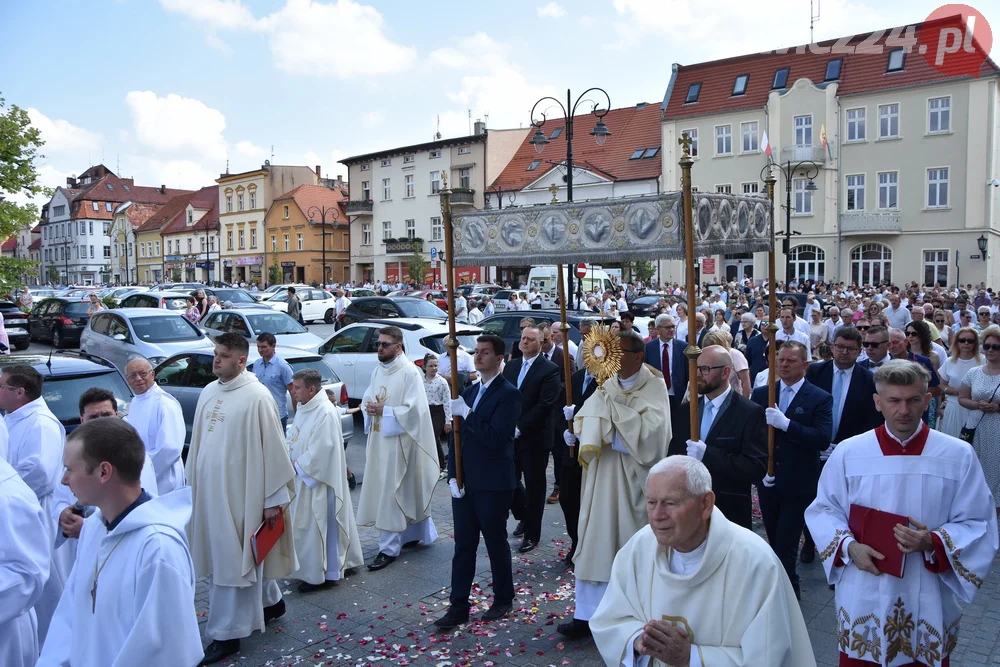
(581, 270)
(434, 253)
(434, 262)
(708, 266)
(975, 257)
(205, 265)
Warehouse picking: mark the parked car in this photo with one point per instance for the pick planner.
(185, 374)
(176, 301)
(642, 305)
(15, 323)
(154, 333)
(78, 293)
(180, 287)
(39, 293)
(59, 320)
(252, 323)
(479, 288)
(381, 307)
(360, 292)
(507, 325)
(352, 353)
(275, 290)
(67, 374)
(316, 304)
(240, 298)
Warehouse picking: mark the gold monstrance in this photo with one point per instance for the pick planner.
(602, 353)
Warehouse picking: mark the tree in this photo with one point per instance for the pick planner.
(19, 144)
(274, 273)
(644, 270)
(52, 273)
(415, 265)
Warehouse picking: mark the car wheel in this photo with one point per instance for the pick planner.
(22, 346)
(57, 339)
(328, 317)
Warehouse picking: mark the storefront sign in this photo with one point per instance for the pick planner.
(287, 265)
(249, 261)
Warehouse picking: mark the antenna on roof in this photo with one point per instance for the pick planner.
(227, 164)
(272, 153)
(437, 135)
(470, 121)
(813, 17)
(118, 163)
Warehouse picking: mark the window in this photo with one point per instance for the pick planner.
(229, 205)
(856, 130)
(435, 182)
(937, 187)
(464, 150)
(83, 228)
(366, 233)
(58, 211)
(253, 200)
(411, 229)
(274, 243)
(386, 189)
(125, 186)
(740, 85)
(387, 163)
(142, 250)
(465, 178)
(109, 186)
(284, 212)
(107, 252)
(888, 189)
(803, 130)
(651, 152)
(156, 247)
(229, 239)
(437, 229)
(366, 191)
(107, 206)
(286, 242)
(692, 95)
(724, 189)
(856, 192)
(896, 59)
(190, 247)
(534, 165)
(833, 69)
(693, 136)
(435, 154)
(871, 264)
(97, 207)
(780, 78)
(90, 227)
(253, 237)
(724, 140)
(808, 262)
(106, 228)
(637, 154)
(939, 114)
(298, 241)
(407, 159)
(149, 249)
(750, 140)
(408, 185)
(888, 121)
(239, 201)
(242, 240)
(751, 188)
(936, 267)
(803, 197)
(365, 167)
(556, 132)
(386, 230)
(211, 243)
(190, 217)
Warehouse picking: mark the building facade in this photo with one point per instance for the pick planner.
(191, 239)
(56, 236)
(128, 217)
(308, 229)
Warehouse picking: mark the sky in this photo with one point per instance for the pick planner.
(170, 91)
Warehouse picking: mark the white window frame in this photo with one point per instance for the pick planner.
(435, 182)
(437, 229)
(253, 200)
(692, 133)
(387, 162)
(287, 247)
(366, 233)
(724, 188)
(938, 183)
(386, 229)
(939, 259)
(274, 243)
(408, 186)
(407, 159)
(253, 237)
(858, 187)
(890, 113)
(239, 201)
(242, 239)
(434, 154)
(411, 228)
(284, 212)
(803, 130)
(229, 203)
(751, 188)
(298, 240)
(724, 134)
(750, 130)
(942, 111)
(858, 124)
(891, 185)
(366, 167)
(465, 177)
(386, 189)
(464, 150)
(366, 191)
(802, 198)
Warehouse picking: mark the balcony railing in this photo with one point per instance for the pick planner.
(800, 153)
(405, 246)
(463, 196)
(871, 222)
(359, 207)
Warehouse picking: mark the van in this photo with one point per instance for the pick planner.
(545, 279)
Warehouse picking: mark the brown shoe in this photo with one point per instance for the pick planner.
(554, 498)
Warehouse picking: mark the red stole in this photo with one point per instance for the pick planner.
(891, 447)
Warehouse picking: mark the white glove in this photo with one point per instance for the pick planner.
(455, 491)
(696, 449)
(459, 408)
(517, 432)
(826, 453)
(568, 411)
(570, 438)
(769, 481)
(776, 419)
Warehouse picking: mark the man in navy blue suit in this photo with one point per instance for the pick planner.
(489, 412)
(666, 352)
(803, 422)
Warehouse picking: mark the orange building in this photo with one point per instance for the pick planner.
(305, 229)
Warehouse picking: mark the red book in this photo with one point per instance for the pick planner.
(874, 528)
(265, 538)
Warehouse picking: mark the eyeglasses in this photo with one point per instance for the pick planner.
(967, 341)
(938, 321)
(911, 334)
(668, 326)
(138, 375)
(381, 343)
(705, 370)
(874, 343)
(9, 386)
(863, 328)
(989, 347)
(846, 348)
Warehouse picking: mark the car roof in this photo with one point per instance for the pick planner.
(161, 293)
(249, 311)
(284, 351)
(418, 324)
(61, 362)
(129, 313)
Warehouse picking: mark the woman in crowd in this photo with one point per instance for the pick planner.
(944, 327)
(965, 356)
(720, 322)
(201, 301)
(819, 333)
(739, 379)
(192, 314)
(980, 395)
(439, 400)
(95, 304)
(652, 330)
(748, 329)
(918, 340)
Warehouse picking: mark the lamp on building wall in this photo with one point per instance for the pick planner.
(982, 246)
(788, 171)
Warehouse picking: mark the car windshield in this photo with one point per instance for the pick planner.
(420, 308)
(164, 329)
(646, 300)
(276, 323)
(234, 295)
(279, 298)
(315, 363)
(76, 309)
(62, 394)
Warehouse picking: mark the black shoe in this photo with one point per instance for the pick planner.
(306, 587)
(452, 619)
(808, 553)
(519, 529)
(352, 481)
(381, 561)
(569, 557)
(527, 545)
(575, 629)
(497, 611)
(276, 610)
(220, 649)
(411, 544)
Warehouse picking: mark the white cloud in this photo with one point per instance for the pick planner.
(330, 164)
(371, 119)
(552, 10)
(248, 148)
(61, 135)
(178, 125)
(184, 174)
(586, 21)
(218, 14)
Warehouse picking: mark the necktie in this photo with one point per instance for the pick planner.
(524, 371)
(872, 364)
(482, 390)
(587, 378)
(786, 398)
(665, 363)
(838, 386)
(707, 417)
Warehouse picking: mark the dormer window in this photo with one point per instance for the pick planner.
(556, 132)
(833, 69)
(637, 154)
(780, 78)
(534, 165)
(740, 85)
(896, 59)
(692, 95)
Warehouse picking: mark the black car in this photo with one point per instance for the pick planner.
(66, 375)
(381, 307)
(642, 306)
(59, 320)
(507, 325)
(15, 321)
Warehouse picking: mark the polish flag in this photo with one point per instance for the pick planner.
(765, 145)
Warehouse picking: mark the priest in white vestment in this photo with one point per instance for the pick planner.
(934, 480)
(24, 567)
(240, 476)
(130, 598)
(158, 418)
(35, 451)
(401, 464)
(693, 589)
(622, 430)
(323, 526)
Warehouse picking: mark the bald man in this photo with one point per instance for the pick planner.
(158, 418)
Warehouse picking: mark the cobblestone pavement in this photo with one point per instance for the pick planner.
(385, 618)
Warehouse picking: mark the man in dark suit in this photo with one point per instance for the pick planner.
(554, 353)
(803, 422)
(583, 385)
(538, 381)
(489, 411)
(853, 399)
(733, 436)
(701, 327)
(756, 352)
(665, 351)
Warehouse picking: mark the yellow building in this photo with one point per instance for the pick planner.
(295, 226)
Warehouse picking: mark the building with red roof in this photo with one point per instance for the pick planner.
(295, 226)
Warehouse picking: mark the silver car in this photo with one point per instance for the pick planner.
(155, 333)
(184, 375)
(251, 323)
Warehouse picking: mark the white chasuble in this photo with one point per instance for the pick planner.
(401, 466)
(937, 480)
(238, 457)
(323, 526)
(158, 418)
(622, 434)
(737, 606)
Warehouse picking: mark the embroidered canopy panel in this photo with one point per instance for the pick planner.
(611, 230)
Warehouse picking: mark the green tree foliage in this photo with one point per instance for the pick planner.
(19, 144)
(274, 273)
(415, 265)
(644, 270)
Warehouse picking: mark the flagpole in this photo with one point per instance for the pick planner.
(451, 343)
(692, 351)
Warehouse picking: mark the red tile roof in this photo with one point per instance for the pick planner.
(122, 190)
(171, 210)
(9, 244)
(307, 196)
(35, 245)
(863, 72)
(631, 128)
(207, 197)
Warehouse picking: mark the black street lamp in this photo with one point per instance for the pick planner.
(788, 172)
(499, 193)
(981, 241)
(322, 212)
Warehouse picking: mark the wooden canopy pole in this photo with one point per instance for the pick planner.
(692, 351)
(772, 327)
(452, 342)
(564, 328)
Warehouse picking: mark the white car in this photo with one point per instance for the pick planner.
(251, 323)
(352, 354)
(317, 304)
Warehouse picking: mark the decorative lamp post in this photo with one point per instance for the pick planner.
(788, 172)
(322, 212)
(982, 246)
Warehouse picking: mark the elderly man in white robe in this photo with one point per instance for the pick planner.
(622, 431)
(693, 589)
(241, 477)
(947, 531)
(24, 567)
(323, 526)
(401, 465)
(158, 418)
(134, 572)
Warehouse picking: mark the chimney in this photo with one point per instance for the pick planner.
(319, 172)
(70, 182)
(163, 189)
(480, 127)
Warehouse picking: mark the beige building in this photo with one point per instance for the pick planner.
(307, 229)
(191, 239)
(894, 165)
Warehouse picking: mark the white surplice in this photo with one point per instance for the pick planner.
(158, 418)
(4, 440)
(735, 603)
(143, 612)
(891, 620)
(24, 567)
